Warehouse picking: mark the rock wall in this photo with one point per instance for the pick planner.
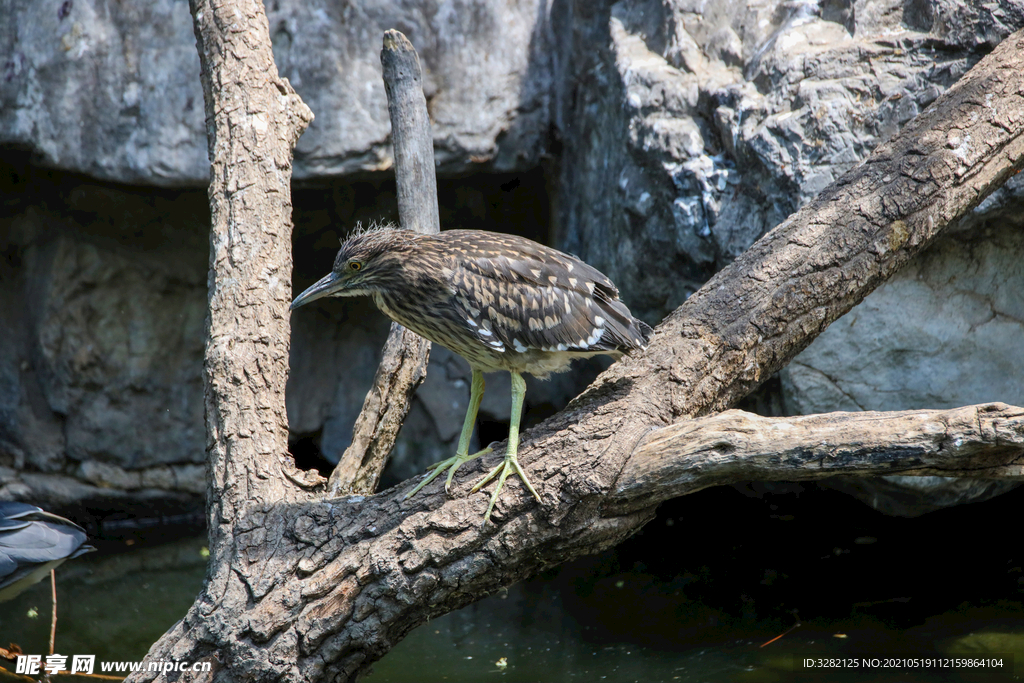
(112, 89)
(102, 303)
(102, 306)
(657, 139)
(703, 125)
(711, 123)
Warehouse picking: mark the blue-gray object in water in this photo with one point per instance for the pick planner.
(32, 542)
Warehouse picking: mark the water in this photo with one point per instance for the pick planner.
(526, 635)
(692, 598)
(111, 604)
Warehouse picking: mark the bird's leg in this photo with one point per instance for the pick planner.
(511, 464)
(476, 393)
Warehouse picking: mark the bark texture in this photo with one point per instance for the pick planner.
(984, 441)
(402, 369)
(254, 119)
(307, 589)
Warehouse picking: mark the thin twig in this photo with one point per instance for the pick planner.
(53, 616)
(784, 633)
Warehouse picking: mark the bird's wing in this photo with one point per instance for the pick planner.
(546, 301)
(516, 259)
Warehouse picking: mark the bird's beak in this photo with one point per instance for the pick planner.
(325, 286)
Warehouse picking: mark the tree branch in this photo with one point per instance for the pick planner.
(410, 135)
(402, 368)
(404, 364)
(253, 118)
(983, 441)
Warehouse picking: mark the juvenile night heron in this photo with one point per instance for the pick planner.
(502, 302)
(32, 542)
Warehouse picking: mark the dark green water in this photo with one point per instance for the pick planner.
(539, 643)
(113, 605)
(691, 598)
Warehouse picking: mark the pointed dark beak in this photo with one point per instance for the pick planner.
(325, 286)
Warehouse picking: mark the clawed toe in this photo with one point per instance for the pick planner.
(503, 470)
(452, 464)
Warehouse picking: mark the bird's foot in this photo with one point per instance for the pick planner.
(451, 464)
(502, 471)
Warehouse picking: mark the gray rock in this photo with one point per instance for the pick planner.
(712, 123)
(100, 380)
(104, 328)
(104, 88)
(112, 89)
(946, 331)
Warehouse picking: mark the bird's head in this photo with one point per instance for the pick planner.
(366, 263)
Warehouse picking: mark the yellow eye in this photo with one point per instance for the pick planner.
(355, 265)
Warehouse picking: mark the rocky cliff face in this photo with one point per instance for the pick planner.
(702, 126)
(656, 139)
(112, 89)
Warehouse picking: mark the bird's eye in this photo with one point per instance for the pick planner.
(355, 265)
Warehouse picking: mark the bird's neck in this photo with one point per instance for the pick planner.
(382, 300)
(420, 292)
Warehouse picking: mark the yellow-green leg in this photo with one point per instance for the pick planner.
(476, 393)
(511, 464)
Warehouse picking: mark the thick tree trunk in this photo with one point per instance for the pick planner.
(309, 589)
(254, 118)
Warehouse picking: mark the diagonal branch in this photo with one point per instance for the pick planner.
(404, 364)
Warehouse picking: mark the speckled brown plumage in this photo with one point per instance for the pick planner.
(502, 302)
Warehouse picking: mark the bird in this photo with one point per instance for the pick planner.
(32, 542)
(502, 302)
